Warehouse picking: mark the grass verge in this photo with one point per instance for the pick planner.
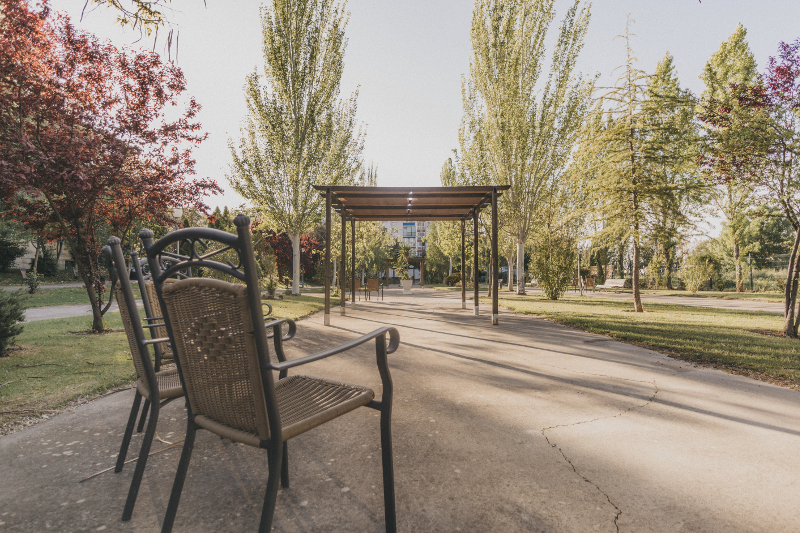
(55, 363)
(741, 342)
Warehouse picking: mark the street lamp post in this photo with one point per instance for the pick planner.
(580, 280)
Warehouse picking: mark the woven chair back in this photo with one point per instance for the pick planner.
(155, 312)
(372, 284)
(141, 371)
(212, 327)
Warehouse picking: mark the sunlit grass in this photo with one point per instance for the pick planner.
(744, 342)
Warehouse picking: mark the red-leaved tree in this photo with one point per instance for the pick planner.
(92, 138)
(761, 134)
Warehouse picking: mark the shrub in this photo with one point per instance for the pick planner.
(452, 279)
(553, 267)
(695, 271)
(11, 312)
(47, 264)
(33, 282)
(10, 251)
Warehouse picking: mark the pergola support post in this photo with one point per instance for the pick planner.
(343, 267)
(495, 296)
(327, 315)
(476, 310)
(353, 262)
(463, 265)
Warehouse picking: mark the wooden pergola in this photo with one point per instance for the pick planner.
(412, 204)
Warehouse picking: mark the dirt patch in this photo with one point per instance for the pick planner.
(768, 332)
(90, 332)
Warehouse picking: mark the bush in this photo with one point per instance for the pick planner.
(695, 272)
(10, 251)
(553, 267)
(452, 279)
(11, 312)
(47, 264)
(33, 282)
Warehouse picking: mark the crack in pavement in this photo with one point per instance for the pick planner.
(618, 512)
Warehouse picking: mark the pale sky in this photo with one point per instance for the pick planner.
(407, 58)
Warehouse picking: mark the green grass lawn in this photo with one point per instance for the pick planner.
(56, 362)
(743, 342)
(726, 295)
(13, 277)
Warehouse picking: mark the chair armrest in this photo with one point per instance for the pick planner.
(394, 342)
(156, 341)
(276, 328)
(153, 325)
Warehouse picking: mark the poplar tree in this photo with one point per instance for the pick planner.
(297, 132)
(519, 128)
(733, 65)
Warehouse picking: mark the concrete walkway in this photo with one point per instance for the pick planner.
(695, 301)
(525, 426)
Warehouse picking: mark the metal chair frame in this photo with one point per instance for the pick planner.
(276, 446)
(153, 401)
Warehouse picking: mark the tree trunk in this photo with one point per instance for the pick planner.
(790, 290)
(739, 281)
(637, 297)
(451, 266)
(335, 280)
(669, 260)
(295, 238)
(36, 256)
(520, 266)
(510, 274)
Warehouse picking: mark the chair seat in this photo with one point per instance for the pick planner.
(304, 402)
(169, 384)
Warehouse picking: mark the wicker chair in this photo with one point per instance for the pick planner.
(157, 388)
(223, 358)
(373, 286)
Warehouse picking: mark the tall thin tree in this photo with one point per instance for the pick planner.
(298, 132)
(525, 125)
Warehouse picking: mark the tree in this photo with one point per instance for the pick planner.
(620, 147)
(524, 134)
(297, 132)
(731, 69)
(85, 148)
(766, 114)
(679, 193)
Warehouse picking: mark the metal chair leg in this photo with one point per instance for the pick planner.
(388, 469)
(275, 460)
(285, 466)
(140, 464)
(144, 415)
(126, 439)
(180, 477)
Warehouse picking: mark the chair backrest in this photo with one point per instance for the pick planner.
(129, 313)
(217, 328)
(211, 322)
(358, 284)
(372, 284)
(151, 308)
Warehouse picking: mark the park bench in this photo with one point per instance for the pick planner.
(24, 274)
(612, 284)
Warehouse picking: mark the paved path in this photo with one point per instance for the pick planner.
(525, 426)
(34, 314)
